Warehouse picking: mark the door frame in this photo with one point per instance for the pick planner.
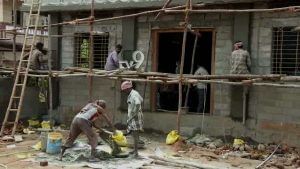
(154, 58)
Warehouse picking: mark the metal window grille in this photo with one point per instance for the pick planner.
(82, 47)
(285, 51)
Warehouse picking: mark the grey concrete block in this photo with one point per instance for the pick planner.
(212, 16)
(188, 131)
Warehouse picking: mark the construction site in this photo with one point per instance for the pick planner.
(197, 84)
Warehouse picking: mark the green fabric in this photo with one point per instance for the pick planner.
(84, 54)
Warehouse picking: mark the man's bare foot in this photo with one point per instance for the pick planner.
(93, 159)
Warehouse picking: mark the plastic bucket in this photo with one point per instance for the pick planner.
(54, 142)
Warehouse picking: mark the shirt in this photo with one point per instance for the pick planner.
(240, 62)
(135, 115)
(201, 71)
(88, 112)
(112, 62)
(36, 59)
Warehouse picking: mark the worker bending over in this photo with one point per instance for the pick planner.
(83, 122)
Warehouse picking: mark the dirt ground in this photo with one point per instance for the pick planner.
(15, 157)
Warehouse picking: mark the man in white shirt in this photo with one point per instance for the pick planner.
(201, 89)
(135, 121)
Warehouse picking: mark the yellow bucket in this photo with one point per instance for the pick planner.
(46, 125)
(33, 123)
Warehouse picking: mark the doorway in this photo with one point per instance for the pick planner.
(167, 59)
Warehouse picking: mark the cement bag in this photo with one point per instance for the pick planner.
(172, 137)
(119, 138)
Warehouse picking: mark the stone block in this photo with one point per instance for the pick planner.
(167, 18)
(264, 62)
(212, 16)
(196, 18)
(188, 131)
(280, 126)
(226, 16)
(269, 15)
(142, 18)
(224, 35)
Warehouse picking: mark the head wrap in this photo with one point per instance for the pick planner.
(126, 85)
(239, 44)
(101, 103)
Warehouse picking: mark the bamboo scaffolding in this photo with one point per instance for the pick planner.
(165, 5)
(283, 9)
(173, 10)
(269, 80)
(167, 10)
(156, 77)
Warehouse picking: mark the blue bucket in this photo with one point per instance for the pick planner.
(54, 142)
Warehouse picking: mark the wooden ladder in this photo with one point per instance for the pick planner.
(17, 96)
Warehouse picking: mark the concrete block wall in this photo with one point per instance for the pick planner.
(273, 111)
(74, 92)
(31, 105)
(6, 9)
(223, 25)
(113, 27)
(272, 115)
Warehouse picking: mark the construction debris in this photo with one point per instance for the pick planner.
(205, 141)
(18, 138)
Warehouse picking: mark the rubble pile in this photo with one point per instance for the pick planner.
(284, 156)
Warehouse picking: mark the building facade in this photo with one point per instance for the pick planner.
(268, 36)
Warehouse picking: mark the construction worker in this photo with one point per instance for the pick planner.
(135, 120)
(38, 60)
(112, 62)
(240, 59)
(201, 90)
(83, 122)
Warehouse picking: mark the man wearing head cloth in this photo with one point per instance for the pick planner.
(83, 122)
(240, 60)
(135, 120)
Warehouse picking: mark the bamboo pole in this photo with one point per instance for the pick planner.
(14, 37)
(50, 69)
(186, 20)
(191, 72)
(165, 5)
(91, 52)
(282, 9)
(172, 10)
(166, 80)
(147, 58)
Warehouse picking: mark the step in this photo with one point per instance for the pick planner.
(10, 122)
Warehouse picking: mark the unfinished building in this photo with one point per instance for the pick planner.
(270, 37)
